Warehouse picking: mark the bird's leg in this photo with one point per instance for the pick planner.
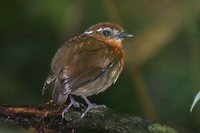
(72, 102)
(90, 106)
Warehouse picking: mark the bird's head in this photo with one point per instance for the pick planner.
(107, 32)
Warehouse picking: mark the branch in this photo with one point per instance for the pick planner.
(48, 116)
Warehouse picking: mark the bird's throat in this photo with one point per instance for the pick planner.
(117, 47)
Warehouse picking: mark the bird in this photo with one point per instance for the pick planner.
(86, 65)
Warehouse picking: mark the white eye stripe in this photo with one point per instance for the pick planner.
(88, 32)
(102, 29)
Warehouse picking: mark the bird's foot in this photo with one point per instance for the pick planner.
(90, 107)
(72, 103)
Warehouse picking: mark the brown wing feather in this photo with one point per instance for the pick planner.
(47, 83)
(79, 63)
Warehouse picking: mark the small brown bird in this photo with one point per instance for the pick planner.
(87, 64)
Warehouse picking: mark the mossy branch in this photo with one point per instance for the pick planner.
(48, 116)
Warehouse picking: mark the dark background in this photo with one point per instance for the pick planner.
(162, 70)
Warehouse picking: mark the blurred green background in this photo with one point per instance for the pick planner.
(162, 70)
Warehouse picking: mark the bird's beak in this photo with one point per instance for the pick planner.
(124, 35)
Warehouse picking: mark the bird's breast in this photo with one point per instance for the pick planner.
(117, 48)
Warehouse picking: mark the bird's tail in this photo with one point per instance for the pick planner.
(59, 96)
(47, 83)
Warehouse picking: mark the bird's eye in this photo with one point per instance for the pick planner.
(106, 33)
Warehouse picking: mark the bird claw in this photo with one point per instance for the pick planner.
(72, 103)
(90, 107)
(77, 105)
(66, 110)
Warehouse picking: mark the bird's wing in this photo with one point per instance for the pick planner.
(47, 83)
(84, 60)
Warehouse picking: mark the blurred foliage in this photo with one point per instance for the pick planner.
(161, 76)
